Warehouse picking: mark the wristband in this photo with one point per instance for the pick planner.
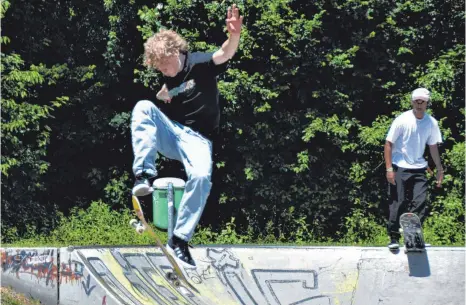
(390, 169)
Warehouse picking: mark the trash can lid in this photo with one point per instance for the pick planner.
(162, 183)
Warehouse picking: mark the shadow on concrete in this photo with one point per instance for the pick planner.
(418, 264)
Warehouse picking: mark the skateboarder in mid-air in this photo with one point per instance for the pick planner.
(406, 167)
(181, 128)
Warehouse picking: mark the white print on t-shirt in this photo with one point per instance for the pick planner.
(409, 136)
(183, 88)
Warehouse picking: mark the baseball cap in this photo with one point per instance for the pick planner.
(420, 94)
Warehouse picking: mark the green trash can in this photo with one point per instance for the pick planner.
(160, 199)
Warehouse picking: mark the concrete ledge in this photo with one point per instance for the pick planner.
(239, 275)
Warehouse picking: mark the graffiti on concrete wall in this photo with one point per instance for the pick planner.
(270, 282)
(275, 285)
(38, 265)
(71, 272)
(145, 280)
(228, 270)
(145, 274)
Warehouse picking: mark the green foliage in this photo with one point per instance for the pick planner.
(375, 135)
(25, 137)
(363, 228)
(117, 189)
(307, 102)
(97, 225)
(229, 234)
(445, 224)
(455, 159)
(151, 22)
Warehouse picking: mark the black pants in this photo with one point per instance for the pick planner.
(408, 195)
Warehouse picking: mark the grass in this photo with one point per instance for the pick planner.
(10, 297)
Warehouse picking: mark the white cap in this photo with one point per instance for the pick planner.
(420, 94)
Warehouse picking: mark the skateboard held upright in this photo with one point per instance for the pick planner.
(410, 225)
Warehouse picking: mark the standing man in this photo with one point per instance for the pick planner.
(405, 164)
(182, 127)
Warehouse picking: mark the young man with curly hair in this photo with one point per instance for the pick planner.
(182, 128)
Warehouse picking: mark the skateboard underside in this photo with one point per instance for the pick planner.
(412, 232)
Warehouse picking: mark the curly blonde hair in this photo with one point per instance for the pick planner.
(163, 44)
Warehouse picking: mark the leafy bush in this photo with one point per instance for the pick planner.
(96, 226)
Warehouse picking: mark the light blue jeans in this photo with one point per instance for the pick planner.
(153, 132)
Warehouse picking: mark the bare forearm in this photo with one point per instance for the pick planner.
(230, 46)
(436, 156)
(387, 153)
(227, 50)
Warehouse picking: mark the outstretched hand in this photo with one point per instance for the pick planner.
(234, 20)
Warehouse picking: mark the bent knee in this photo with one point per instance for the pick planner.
(145, 106)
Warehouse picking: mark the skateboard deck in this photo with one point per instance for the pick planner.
(175, 276)
(412, 232)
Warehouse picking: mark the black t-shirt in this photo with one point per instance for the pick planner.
(194, 91)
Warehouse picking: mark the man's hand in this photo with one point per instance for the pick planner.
(163, 95)
(439, 177)
(391, 177)
(228, 49)
(234, 20)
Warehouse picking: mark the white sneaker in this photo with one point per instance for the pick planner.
(393, 245)
(142, 186)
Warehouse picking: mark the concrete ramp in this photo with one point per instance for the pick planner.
(239, 275)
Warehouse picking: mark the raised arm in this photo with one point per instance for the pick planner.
(234, 22)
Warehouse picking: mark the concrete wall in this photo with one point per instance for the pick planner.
(260, 275)
(33, 272)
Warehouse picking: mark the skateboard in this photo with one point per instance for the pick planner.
(410, 226)
(177, 276)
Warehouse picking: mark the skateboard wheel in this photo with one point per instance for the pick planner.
(137, 226)
(171, 276)
(177, 283)
(133, 222)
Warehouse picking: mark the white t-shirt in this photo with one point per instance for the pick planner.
(409, 136)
